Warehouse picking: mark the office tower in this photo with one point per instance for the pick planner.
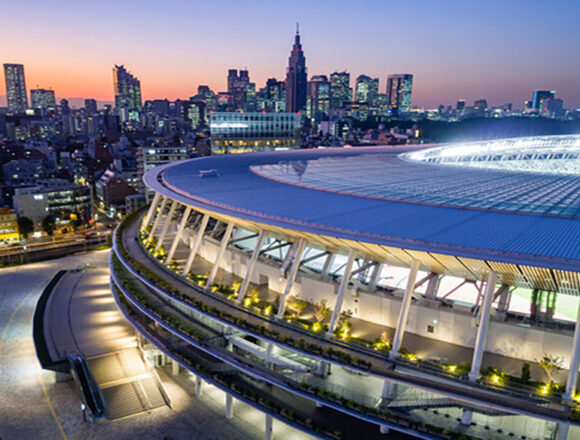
(318, 103)
(542, 95)
(15, 87)
(366, 90)
(127, 94)
(64, 107)
(340, 91)
(42, 99)
(460, 105)
(205, 94)
(480, 105)
(272, 98)
(296, 77)
(242, 92)
(399, 90)
(91, 106)
(196, 113)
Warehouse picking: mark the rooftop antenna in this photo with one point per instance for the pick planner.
(297, 28)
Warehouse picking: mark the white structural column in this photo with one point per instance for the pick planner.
(251, 265)
(481, 337)
(291, 276)
(572, 381)
(174, 368)
(196, 243)
(158, 218)
(340, 296)
(375, 277)
(327, 264)
(218, 260)
(178, 235)
(197, 385)
(166, 225)
(152, 209)
(268, 435)
(404, 312)
(229, 406)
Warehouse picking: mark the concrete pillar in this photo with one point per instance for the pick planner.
(340, 295)
(384, 429)
(404, 312)
(327, 264)
(572, 381)
(174, 368)
(229, 406)
(197, 385)
(178, 235)
(387, 389)
(166, 225)
(291, 276)
(433, 287)
(466, 417)
(218, 260)
(196, 243)
(481, 337)
(268, 432)
(151, 210)
(158, 218)
(251, 265)
(563, 431)
(375, 276)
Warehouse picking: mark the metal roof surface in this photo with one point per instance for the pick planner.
(517, 237)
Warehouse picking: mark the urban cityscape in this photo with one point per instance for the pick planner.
(313, 254)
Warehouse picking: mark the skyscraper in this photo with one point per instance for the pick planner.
(340, 90)
(318, 103)
(296, 78)
(91, 106)
(15, 87)
(42, 99)
(540, 96)
(366, 90)
(127, 94)
(241, 91)
(399, 90)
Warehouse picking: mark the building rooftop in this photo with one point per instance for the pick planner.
(383, 197)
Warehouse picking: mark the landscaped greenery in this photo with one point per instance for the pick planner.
(496, 378)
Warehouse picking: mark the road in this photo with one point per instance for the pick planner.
(33, 406)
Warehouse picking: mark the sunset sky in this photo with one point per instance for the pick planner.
(495, 49)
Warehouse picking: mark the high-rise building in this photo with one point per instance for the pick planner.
(366, 90)
(460, 105)
(296, 77)
(273, 97)
(542, 95)
(340, 90)
(399, 90)
(241, 91)
(91, 106)
(127, 94)
(15, 88)
(205, 94)
(42, 99)
(318, 103)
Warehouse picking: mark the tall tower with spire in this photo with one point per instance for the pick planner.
(296, 77)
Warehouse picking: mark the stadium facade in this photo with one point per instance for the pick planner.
(274, 276)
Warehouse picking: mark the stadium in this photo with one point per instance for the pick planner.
(431, 292)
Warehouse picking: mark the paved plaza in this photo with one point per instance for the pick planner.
(34, 406)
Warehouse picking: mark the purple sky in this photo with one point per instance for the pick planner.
(496, 49)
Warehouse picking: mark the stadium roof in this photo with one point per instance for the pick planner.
(399, 207)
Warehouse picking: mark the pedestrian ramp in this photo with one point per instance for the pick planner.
(126, 384)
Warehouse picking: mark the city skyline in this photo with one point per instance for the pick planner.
(477, 51)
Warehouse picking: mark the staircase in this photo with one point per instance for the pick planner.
(128, 387)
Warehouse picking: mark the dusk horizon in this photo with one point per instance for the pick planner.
(175, 50)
